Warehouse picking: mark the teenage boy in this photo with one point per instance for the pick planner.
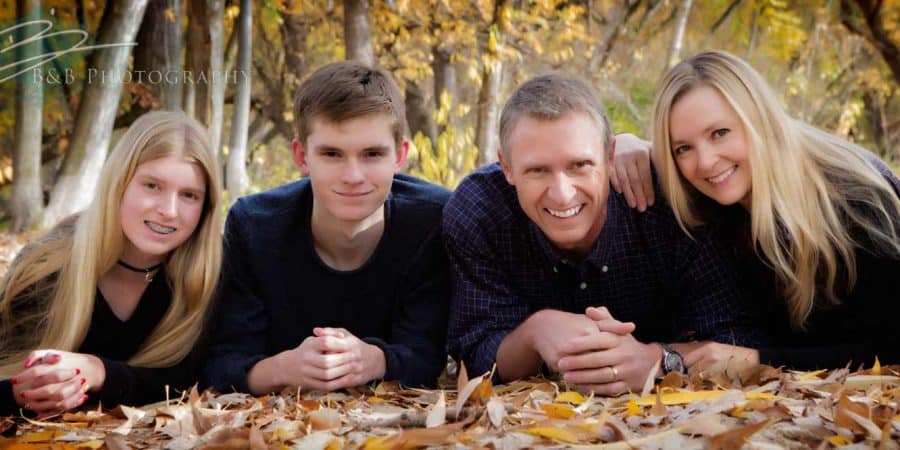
(338, 278)
(547, 268)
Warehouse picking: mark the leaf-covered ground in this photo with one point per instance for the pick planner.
(760, 408)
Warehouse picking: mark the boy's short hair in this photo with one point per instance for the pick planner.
(549, 97)
(346, 90)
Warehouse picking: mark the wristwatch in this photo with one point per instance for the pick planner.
(671, 360)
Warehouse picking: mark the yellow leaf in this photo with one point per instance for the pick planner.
(558, 411)
(41, 436)
(95, 444)
(838, 440)
(736, 412)
(682, 397)
(633, 408)
(377, 443)
(808, 376)
(376, 400)
(876, 369)
(558, 434)
(572, 397)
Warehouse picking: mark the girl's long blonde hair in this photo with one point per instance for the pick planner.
(47, 297)
(810, 188)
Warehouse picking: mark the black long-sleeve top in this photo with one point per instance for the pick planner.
(276, 289)
(860, 327)
(115, 341)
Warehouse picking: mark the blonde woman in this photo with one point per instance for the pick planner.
(814, 220)
(108, 305)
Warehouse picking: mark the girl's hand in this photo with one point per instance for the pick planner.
(54, 381)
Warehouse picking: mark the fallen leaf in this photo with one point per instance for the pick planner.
(496, 411)
(737, 437)
(573, 397)
(554, 433)
(324, 419)
(437, 413)
(558, 411)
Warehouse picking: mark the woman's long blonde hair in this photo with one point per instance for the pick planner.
(52, 284)
(810, 188)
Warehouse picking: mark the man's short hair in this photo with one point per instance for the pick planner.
(346, 90)
(549, 97)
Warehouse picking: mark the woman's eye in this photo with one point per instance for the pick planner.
(681, 149)
(721, 132)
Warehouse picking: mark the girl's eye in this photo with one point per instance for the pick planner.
(151, 185)
(681, 149)
(721, 132)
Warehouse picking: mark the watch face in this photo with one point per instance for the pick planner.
(674, 363)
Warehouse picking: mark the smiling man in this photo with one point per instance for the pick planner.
(548, 268)
(339, 278)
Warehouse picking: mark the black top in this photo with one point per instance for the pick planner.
(115, 341)
(862, 326)
(642, 267)
(276, 288)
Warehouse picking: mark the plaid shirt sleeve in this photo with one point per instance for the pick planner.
(483, 307)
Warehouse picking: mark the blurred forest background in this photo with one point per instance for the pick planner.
(835, 63)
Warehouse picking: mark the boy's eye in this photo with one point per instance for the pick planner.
(583, 164)
(330, 154)
(374, 154)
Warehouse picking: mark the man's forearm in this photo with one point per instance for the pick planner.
(264, 377)
(516, 355)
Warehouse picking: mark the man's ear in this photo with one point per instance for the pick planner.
(507, 168)
(402, 153)
(299, 152)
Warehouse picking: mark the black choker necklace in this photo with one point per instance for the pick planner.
(148, 272)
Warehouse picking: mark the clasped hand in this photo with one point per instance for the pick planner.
(55, 381)
(333, 358)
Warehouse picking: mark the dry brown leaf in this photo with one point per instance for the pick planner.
(324, 419)
(705, 425)
(736, 438)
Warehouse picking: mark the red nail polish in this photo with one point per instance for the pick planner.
(77, 371)
(23, 394)
(27, 363)
(83, 398)
(13, 381)
(83, 381)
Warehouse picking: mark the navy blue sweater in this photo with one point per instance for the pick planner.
(276, 288)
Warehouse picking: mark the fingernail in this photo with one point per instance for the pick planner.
(83, 398)
(22, 394)
(83, 381)
(77, 371)
(13, 381)
(27, 363)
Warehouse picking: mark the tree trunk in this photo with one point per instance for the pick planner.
(173, 43)
(684, 12)
(236, 170)
(876, 33)
(486, 131)
(419, 113)
(614, 28)
(27, 202)
(444, 81)
(293, 33)
(358, 32)
(218, 79)
(198, 58)
(77, 180)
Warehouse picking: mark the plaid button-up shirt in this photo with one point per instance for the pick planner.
(643, 268)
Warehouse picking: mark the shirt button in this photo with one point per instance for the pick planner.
(583, 285)
(604, 269)
(555, 270)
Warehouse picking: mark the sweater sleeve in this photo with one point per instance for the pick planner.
(415, 354)
(238, 339)
(138, 386)
(8, 406)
